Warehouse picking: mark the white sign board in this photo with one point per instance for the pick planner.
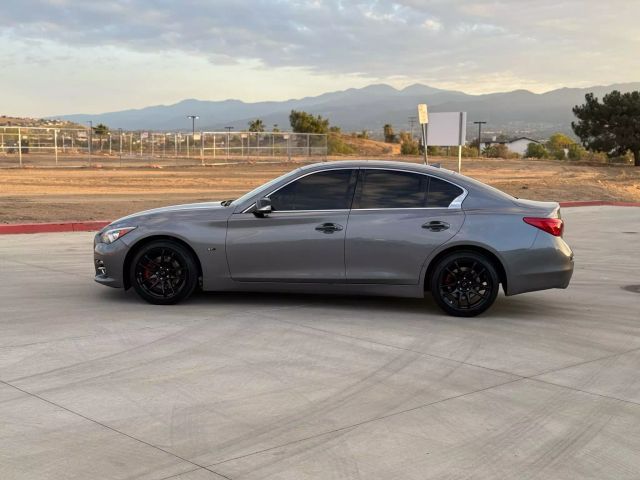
(423, 115)
(447, 129)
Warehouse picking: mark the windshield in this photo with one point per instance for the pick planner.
(250, 194)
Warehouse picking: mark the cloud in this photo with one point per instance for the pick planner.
(438, 41)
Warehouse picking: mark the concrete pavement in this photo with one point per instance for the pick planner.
(96, 384)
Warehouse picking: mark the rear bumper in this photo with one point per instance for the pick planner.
(547, 264)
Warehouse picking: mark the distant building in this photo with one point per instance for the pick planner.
(518, 145)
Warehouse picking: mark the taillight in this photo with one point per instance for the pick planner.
(554, 226)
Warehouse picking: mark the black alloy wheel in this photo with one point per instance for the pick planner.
(164, 272)
(464, 284)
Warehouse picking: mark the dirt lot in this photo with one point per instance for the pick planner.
(41, 195)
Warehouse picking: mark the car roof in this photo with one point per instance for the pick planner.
(414, 167)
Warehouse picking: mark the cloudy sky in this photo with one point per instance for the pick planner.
(81, 56)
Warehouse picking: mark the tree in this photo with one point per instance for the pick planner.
(558, 144)
(101, 130)
(303, 122)
(612, 126)
(535, 150)
(389, 135)
(256, 125)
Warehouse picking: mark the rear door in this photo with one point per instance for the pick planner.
(397, 219)
(303, 239)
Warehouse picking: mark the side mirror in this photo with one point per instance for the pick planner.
(263, 207)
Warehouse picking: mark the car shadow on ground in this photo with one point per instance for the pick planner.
(518, 307)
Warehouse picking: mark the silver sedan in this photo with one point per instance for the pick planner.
(349, 227)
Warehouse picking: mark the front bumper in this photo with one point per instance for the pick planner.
(108, 260)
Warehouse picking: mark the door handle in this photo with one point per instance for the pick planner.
(436, 226)
(329, 227)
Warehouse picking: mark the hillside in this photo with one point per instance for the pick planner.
(369, 108)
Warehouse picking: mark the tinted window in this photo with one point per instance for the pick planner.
(441, 193)
(390, 189)
(332, 190)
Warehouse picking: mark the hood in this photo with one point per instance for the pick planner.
(188, 207)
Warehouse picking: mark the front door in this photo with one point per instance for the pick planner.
(303, 239)
(398, 218)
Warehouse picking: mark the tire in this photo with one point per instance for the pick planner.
(464, 283)
(163, 272)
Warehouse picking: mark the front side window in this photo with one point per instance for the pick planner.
(330, 190)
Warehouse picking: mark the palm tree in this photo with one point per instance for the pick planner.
(100, 130)
(256, 125)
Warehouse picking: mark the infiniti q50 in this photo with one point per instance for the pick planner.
(349, 227)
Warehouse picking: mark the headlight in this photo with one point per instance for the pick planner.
(114, 234)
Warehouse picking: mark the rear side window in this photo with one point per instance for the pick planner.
(391, 189)
(441, 193)
(330, 190)
(394, 189)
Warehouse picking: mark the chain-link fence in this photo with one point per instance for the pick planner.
(41, 146)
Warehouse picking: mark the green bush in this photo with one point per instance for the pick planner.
(536, 150)
(409, 147)
(576, 152)
(337, 146)
(469, 151)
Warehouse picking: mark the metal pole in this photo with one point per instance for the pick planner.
(55, 144)
(120, 132)
(202, 148)
(131, 144)
(479, 136)
(187, 146)
(424, 142)
(460, 141)
(326, 146)
(175, 144)
(90, 140)
(20, 146)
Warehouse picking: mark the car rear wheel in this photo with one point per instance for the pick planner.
(464, 284)
(163, 272)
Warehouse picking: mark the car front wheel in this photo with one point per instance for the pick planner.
(464, 284)
(163, 272)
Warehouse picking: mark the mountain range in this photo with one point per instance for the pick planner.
(518, 112)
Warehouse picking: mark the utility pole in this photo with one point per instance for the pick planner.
(412, 123)
(479, 136)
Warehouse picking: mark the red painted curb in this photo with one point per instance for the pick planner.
(598, 203)
(15, 228)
